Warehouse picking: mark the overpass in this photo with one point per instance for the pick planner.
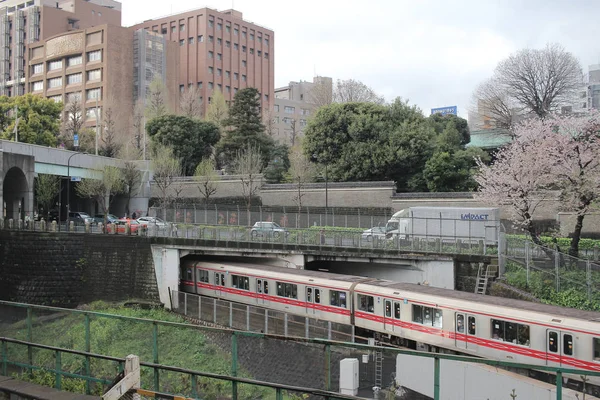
(21, 162)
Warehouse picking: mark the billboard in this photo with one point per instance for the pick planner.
(445, 110)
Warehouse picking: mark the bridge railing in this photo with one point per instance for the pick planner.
(83, 350)
(326, 239)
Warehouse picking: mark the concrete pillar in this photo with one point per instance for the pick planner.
(166, 268)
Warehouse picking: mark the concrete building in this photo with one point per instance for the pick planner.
(293, 106)
(24, 22)
(91, 66)
(219, 50)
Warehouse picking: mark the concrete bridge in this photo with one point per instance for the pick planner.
(20, 163)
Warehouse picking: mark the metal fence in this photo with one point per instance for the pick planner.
(79, 345)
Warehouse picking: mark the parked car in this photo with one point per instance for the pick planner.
(123, 222)
(110, 218)
(376, 231)
(152, 221)
(268, 229)
(80, 218)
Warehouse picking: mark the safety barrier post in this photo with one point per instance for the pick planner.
(231, 314)
(328, 367)
(87, 350)
(234, 364)
(559, 383)
(30, 336)
(155, 354)
(436, 378)
(4, 358)
(194, 386)
(248, 318)
(278, 394)
(58, 384)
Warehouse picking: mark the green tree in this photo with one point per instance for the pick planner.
(39, 119)
(453, 171)
(246, 129)
(191, 139)
(440, 123)
(217, 109)
(278, 165)
(46, 190)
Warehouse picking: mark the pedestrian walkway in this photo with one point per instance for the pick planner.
(13, 388)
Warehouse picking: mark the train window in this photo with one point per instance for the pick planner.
(287, 290)
(568, 345)
(222, 279)
(318, 296)
(190, 276)
(427, 316)
(472, 330)
(266, 287)
(523, 335)
(597, 349)
(366, 303)
(396, 310)
(217, 278)
(309, 295)
(553, 342)
(510, 332)
(417, 312)
(437, 318)
(259, 286)
(460, 323)
(240, 282)
(337, 299)
(388, 309)
(202, 275)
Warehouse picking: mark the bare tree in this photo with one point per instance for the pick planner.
(104, 190)
(248, 164)
(166, 168)
(73, 121)
(218, 110)
(301, 171)
(493, 106)
(269, 121)
(138, 125)
(190, 104)
(47, 188)
(206, 178)
(295, 131)
(156, 102)
(110, 143)
(531, 81)
(321, 94)
(132, 176)
(355, 91)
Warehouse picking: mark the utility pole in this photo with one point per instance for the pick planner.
(16, 124)
(97, 126)
(144, 139)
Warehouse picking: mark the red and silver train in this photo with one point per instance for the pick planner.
(409, 314)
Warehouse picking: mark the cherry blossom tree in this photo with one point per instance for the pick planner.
(556, 153)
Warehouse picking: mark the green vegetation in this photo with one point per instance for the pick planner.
(177, 346)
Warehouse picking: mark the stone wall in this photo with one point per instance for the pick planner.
(67, 270)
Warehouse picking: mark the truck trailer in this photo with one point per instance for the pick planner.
(446, 223)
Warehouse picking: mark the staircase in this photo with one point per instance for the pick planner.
(378, 366)
(485, 273)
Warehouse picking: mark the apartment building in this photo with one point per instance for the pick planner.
(93, 66)
(294, 104)
(25, 22)
(219, 50)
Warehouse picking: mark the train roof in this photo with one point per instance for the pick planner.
(492, 300)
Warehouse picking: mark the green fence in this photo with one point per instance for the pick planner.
(72, 346)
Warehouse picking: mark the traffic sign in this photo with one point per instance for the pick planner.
(76, 140)
(75, 179)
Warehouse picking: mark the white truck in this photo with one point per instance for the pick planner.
(446, 223)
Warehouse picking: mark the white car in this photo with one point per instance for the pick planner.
(152, 221)
(376, 231)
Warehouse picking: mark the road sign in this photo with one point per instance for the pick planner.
(76, 140)
(75, 179)
(445, 110)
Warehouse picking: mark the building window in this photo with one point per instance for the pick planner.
(163, 31)
(93, 94)
(259, 39)
(236, 46)
(251, 51)
(73, 61)
(236, 76)
(210, 39)
(219, 26)
(244, 63)
(266, 97)
(267, 56)
(38, 86)
(182, 28)
(220, 41)
(266, 41)
(228, 88)
(210, 86)
(181, 89)
(219, 72)
(191, 40)
(90, 113)
(289, 110)
(288, 121)
(227, 74)
(38, 68)
(200, 38)
(94, 56)
(259, 53)
(211, 70)
(219, 56)
(74, 78)
(228, 43)
(243, 78)
(54, 83)
(211, 54)
(275, 120)
(244, 34)
(54, 65)
(211, 24)
(199, 85)
(173, 28)
(56, 99)
(182, 42)
(99, 14)
(220, 87)
(74, 96)
(252, 36)
(235, 90)
(276, 108)
(94, 75)
(302, 122)
(228, 28)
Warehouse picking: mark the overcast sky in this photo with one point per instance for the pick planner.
(433, 53)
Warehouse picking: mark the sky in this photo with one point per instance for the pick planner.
(433, 53)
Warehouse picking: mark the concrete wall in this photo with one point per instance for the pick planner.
(67, 270)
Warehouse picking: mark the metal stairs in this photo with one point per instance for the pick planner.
(484, 274)
(378, 365)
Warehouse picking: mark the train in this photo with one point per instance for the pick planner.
(412, 315)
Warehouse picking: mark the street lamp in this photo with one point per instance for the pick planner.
(69, 183)
(316, 158)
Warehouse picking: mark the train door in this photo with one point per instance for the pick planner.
(219, 283)
(313, 300)
(465, 329)
(262, 292)
(391, 316)
(559, 345)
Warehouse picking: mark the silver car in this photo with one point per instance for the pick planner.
(152, 221)
(268, 229)
(376, 231)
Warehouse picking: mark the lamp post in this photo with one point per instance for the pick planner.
(69, 183)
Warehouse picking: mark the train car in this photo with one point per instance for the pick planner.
(484, 326)
(315, 294)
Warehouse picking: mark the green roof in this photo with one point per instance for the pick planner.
(489, 138)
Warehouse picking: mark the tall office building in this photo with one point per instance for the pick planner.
(27, 22)
(219, 50)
